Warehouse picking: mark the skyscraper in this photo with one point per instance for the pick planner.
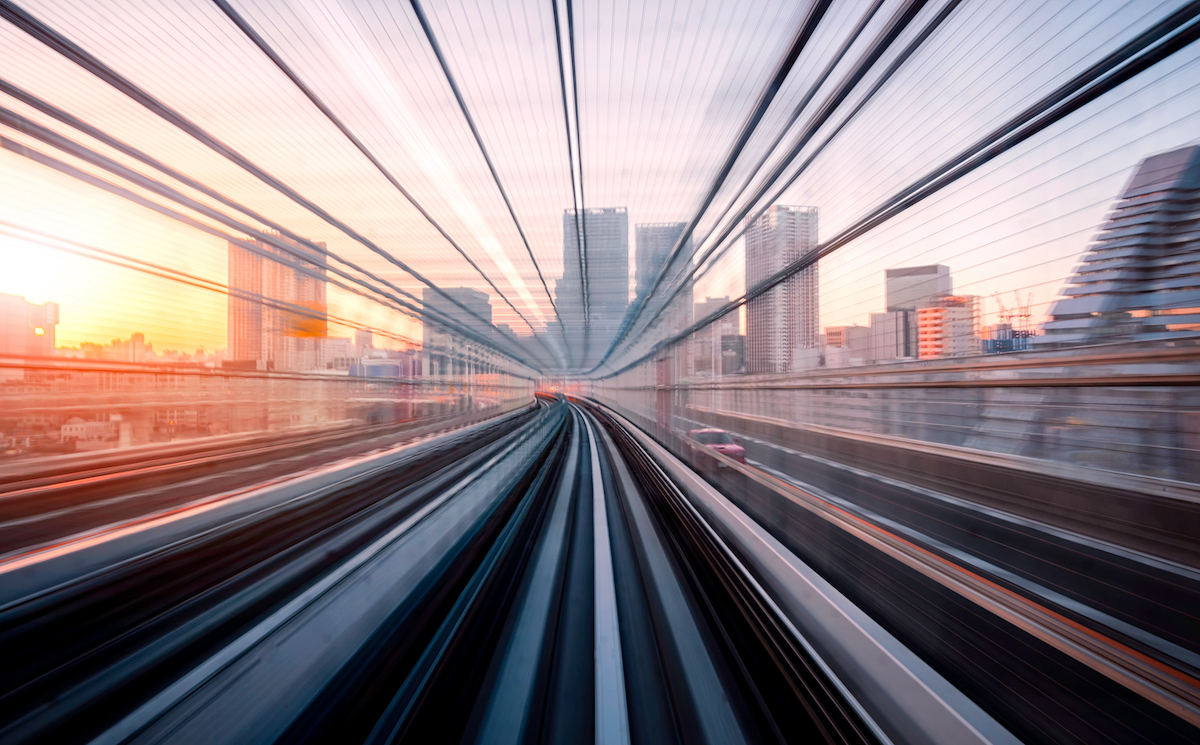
(606, 256)
(363, 340)
(1139, 278)
(912, 287)
(707, 342)
(26, 329)
(477, 317)
(785, 318)
(654, 242)
(893, 335)
(276, 307)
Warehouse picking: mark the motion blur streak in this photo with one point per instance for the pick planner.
(616, 372)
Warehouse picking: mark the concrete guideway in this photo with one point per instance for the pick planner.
(551, 563)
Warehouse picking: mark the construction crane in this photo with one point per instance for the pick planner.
(1023, 313)
(1004, 314)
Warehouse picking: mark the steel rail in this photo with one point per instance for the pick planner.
(442, 511)
(704, 707)
(769, 642)
(511, 711)
(612, 715)
(200, 584)
(897, 690)
(447, 668)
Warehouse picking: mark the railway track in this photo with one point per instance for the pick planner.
(554, 576)
(39, 501)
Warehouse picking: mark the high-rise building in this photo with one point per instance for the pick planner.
(856, 338)
(606, 258)
(134, 350)
(912, 287)
(845, 345)
(708, 344)
(785, 318)
(1140, 277)
(339, 353)
(733, 354)
(468, 308)
(444, 348)
(276, 306)
(363, 341)
(949, 327)
(1002, 337)
(654, 244)
(26, 329)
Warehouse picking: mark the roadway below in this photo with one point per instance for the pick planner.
(1063, 636)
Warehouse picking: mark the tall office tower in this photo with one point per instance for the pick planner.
(606, 257)
(733, 354)
(1139, 278)
(908, 288)
(912, 287)
(363, 340)
(784, 320)
(654, 242)
(443, 348)
(277, 306)
(26, 330)
(855, 338)
(707, 342)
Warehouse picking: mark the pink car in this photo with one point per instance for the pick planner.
(721, 441)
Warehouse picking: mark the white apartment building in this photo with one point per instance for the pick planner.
(786, 318)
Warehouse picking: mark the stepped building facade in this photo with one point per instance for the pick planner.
(1140, 278)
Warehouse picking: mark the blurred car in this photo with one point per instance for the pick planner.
(721, 441)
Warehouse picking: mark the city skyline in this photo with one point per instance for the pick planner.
(905, 287)
(1016, 245)
(627, 371)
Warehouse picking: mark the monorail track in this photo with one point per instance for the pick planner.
(553, 576)
(42, 500)
(480, 590)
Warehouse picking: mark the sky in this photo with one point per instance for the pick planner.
(663, 91)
